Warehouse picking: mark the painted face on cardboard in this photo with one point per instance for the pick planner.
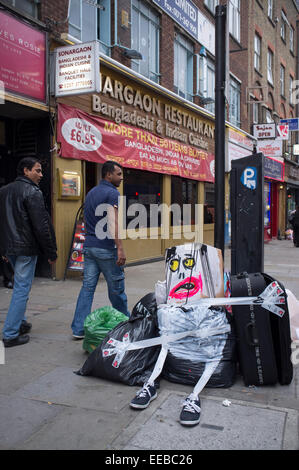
(186, 280)
(193, 271)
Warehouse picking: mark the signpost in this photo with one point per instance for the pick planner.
(293, 123)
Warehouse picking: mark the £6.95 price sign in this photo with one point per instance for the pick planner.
(82, 134)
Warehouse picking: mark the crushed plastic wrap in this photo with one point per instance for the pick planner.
(187, 357)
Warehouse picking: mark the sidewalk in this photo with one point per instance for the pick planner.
(44, 405)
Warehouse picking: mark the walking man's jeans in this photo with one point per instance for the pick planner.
(24, 269)
(97, 261)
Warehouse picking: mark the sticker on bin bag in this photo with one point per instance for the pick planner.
(118, 347)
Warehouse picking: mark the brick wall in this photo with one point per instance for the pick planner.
(269, 32)
(55, 10)
(253, 18)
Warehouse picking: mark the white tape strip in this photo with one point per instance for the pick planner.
(271, 296)
(206, 375)
(159, 365)
(121, 347)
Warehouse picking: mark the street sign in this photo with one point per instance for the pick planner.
(293, 123)
(296, 149)
(270, 148)
(264, 131)
(283, 131)
(77, 69)
(249, 177)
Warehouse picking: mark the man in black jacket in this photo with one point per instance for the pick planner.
(26, 232)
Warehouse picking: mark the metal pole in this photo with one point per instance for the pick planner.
(220, 53)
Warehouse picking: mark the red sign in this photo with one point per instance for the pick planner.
(76, 260)
(86, 137)
(22, 58)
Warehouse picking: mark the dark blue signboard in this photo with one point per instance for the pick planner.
(293, 123)
(273, 169)
(184, 12)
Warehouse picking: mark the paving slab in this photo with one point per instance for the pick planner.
(78, 429)
(21, 418)
(237, 427)
(63, 386)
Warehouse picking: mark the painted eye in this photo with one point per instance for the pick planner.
(189, 263)
(174, 265)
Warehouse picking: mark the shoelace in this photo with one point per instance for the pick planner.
(144, 391)
(190, 406)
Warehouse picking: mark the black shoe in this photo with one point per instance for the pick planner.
(144, 397)
(18, 341)
(190, 414)
(25, 327)
(8, 284)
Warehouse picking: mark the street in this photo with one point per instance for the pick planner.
(44, 405)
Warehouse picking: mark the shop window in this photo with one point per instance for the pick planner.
(211, 4)
(90, 21)
(283, 27)
(183, 193)
(234, 19)
(209, 205)
(292, 33)
(270, 66)
(144, 188)
(183, 67)
(268, 116)
(282, 80)
(207, 83)
(267, 204)
(257, 52)
(291, 89)
(270, 9)
(235, 103)
(26, 6)
(145, 30)
(255, 113)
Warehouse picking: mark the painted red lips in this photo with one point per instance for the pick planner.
(186, 288)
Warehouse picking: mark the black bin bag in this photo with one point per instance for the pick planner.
(136, 366)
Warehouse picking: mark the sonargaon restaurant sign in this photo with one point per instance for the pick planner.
(86, 137)
(125, 104)
(22, 58)
(77, 69)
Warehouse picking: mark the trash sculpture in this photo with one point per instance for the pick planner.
(190, 322)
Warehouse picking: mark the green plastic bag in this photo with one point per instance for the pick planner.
(98, 323)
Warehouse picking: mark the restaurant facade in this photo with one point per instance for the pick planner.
(166, 147)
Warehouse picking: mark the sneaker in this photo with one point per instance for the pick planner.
(144, 397)
(78, 337)
(190, 414)
(25, 327)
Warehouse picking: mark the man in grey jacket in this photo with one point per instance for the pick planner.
(26, 232)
